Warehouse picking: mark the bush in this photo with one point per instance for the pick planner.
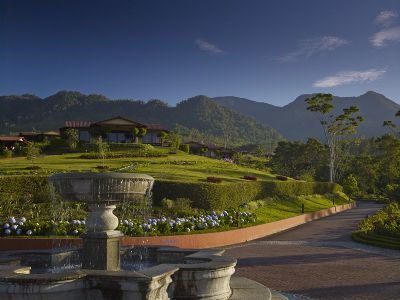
(185, 148)
(33, 168)
(6, 153)
(178, 207)
(282, 178)
(250, 177)
(214, 179)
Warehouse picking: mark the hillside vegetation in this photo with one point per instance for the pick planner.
(198, 118)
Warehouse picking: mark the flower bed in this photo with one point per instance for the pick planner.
(214, 221)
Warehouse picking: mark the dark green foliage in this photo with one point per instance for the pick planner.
(386, 222)
(214, 179)
(185, 148)
(6, 153)
(381, 229)
(350, 185)
(303, 160)
(72, 138)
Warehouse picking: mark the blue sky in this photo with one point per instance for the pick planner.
(269, 51)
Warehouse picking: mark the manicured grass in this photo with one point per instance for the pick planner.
(179, 167)
(279, 209)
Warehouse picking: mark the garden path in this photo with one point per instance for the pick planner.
(318, 260)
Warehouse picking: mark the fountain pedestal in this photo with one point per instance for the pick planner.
(101, 244)
(101, 251)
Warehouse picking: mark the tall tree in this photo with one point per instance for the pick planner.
(335, 127)
(392, 126)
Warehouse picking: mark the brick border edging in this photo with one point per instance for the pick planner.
(194, 241)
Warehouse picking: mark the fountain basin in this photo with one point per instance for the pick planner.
(181, 274)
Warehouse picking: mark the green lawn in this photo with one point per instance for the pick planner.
(181, 166)
(278, 209)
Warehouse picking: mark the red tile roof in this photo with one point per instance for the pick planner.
(77, 124)
(155, 127)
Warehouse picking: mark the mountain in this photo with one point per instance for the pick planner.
(196, 118)
(294, 122)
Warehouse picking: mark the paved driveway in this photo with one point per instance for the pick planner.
(319, 260)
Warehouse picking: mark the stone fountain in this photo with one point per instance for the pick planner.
(180, 273)
(101, 191)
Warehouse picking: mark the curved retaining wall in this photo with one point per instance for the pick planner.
(193, 241)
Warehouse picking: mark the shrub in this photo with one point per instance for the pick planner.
(167, 203)
(33, 168)
(185, 148)
(6, 153)
(178, 207)
(250, 177)
(214, 179)
(282, 178)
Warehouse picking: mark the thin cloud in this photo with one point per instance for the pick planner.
(381, 38)
(386, 17)
(309, 47)
(347, 77)
(208, 47)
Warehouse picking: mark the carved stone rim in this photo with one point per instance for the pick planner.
(106, 175)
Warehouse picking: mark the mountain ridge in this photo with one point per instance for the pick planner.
(294, 122)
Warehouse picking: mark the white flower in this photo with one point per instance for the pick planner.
(6, 225)
(7, 231)
(18, 232)
(83, 222)
(126, 222)
(12, 220)
(23, 219)
(187, 229)
(75, 232)
(14, 227)
(29, 232)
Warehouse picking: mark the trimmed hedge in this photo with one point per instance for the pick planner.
(229, 195)
(23, 184)
(202, 194)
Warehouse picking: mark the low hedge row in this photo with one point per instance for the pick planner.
(202, 194)
(229, 195)
(376, 240)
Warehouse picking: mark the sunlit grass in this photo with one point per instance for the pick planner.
(180, 166)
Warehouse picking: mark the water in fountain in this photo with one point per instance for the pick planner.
(136, 257)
